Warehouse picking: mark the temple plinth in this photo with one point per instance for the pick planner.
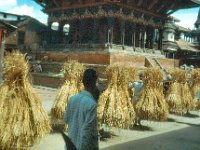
(111, 25)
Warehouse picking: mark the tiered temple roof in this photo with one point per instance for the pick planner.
(137, 23)
(151, 6)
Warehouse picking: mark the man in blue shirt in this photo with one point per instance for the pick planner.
(81, 114)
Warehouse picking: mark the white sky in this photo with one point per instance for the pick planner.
(187, 17)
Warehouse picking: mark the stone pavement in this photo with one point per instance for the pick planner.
(183, 139)
(54, 140)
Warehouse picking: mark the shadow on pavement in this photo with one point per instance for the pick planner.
(189, 115)
(190, 124)
(170, 120)
(57, 127)
(141, 128)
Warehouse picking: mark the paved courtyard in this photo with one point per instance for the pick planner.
(152, 129)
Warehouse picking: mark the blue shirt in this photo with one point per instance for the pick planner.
(81, 117)
(137, 89)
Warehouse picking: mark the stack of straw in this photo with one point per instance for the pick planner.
(126, 75)
(173, 96)
(23, 119)
(151, 104)
(73, 72)
(179, 96)
(114, 108)
(195, 86)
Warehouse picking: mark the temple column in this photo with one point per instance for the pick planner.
(145, 38)
(137, 36)
(128, 34)
(122, 28)
(81, 30)
(71, 31)
(60, 32)
(160, 39)
(86, 30)
(133, 36)
(149, 40)
(95, 34)
(152, 38)
(102, 31)
(110, 31)
(140, 38)
(142, 44)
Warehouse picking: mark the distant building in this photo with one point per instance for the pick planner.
(23, 32)
(188, 43)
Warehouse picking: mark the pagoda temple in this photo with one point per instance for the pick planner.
(137, 23)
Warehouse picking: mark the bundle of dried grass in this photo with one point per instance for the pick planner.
(173, 96)
(114, 107)
(189, 103)
(23, 119)
(195, 86)
(73, 72)
(179, 96)
(151, 104)
(126, 75)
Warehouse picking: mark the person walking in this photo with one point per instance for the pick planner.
(81, 114)
(138, 86)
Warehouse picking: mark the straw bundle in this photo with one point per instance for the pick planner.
(179, 96)
(126, 74)
(151, 104)
(23, 119)
(195, 86)
(189, 103)
(73, 72)
(174, 97)
(114, 107)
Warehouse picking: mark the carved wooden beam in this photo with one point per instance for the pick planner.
(76, 6)
(41, 3)
(152, 4)
(140, 2)
(161, 7)
(172, 11)
(56, 3)
(163, 16)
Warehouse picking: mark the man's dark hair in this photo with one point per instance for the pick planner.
(89, 76)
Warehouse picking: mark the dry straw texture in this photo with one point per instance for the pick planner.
(73, 72)
(179, 96)
(195, 86)
(23, 119)
(151, 104)
(114, 107)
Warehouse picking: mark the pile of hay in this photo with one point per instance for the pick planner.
(23, 119)
(195, 86)
(178, 96)
(189, 103)
(114, 107)
(73, 72)
(151, 104)
(126, 75)
(173, 96)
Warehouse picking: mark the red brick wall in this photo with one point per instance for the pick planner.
(47, 81)
(83, 57)
(168, 63)
(136, 61)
